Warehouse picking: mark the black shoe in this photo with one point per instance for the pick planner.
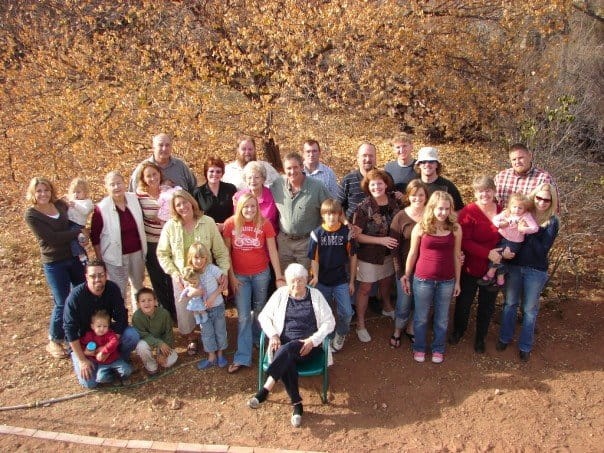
(524, 355)
(501, 346)
(455, 337)
(479, 346)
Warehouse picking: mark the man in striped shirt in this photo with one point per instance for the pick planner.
(523, 177)
(313, 167)
(350, 194)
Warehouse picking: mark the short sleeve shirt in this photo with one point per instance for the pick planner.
(249, 253)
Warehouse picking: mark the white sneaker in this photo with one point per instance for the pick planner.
(437, 357)
(363, 335)
(296, 421)
(338, 342)
(389, 314)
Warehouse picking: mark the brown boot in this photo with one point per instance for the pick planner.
(56, 350)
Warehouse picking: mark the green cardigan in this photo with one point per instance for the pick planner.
(171, 252)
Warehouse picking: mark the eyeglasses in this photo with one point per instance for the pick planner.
(98, 276)
(545, 200)
(427, 162)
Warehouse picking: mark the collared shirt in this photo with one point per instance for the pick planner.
(176, 171)
(326, 175)
(220, 206)
(350, 193)
(509, 182)
(233, 173)
(299, 214)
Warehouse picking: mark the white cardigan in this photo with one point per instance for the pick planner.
(272, 316)
(111, 236)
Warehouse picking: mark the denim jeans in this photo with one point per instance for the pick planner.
(463, 304)
(213, 332)
(128, 342)
(427, 293)
(404, 305)
(61, 277)
(524, 283)
(105, 372)
(343, 305)
(251, 297)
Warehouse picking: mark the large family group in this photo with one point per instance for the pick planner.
(300, 238)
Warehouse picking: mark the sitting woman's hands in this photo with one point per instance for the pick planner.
(307, 347)
(274, 343)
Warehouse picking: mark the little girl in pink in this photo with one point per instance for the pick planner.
(514, 223)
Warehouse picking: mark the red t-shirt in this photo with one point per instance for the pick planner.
(249, 252)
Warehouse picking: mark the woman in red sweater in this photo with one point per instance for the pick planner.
(480, 238)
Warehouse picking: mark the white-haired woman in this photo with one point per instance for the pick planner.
(254, 175)
(296, 319)
(118, 235)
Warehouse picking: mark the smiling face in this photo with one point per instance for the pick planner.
(366, 157)
(116, 187)
(42, 194)
(484, 197)
(428, 168)
(147, 303)
(543, 200)
(246, 152)
(377, 188)
(402, 151)
(297, 287)
(198, 262)
(418, 199)
(96, 278)
(442, 210)
(293, 170)
(254, 181)
(151, 177)
(162, 149)
(183, 208)
(214, 175)
(521, 161)
(249, 210)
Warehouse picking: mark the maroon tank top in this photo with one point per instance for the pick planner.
(435, 261)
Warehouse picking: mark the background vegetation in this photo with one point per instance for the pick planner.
(84, 84)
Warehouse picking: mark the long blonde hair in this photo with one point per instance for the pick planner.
(428, 222)
(544, 217)
(239, 220)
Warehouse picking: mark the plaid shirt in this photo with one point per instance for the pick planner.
(508, 182)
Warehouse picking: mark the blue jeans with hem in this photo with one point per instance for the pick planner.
(61, 277)
(426, 294)
(523, 284)
(105, 372)
(404, 306)
(213, 332)
(251, 297)
(128, 342)
(341, 295)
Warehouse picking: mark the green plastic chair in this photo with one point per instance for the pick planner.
(315, 367)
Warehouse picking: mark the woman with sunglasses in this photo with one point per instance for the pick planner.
(528, 273)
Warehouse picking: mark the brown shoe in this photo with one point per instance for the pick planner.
(56, 350)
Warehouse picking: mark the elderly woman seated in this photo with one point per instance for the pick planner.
(297, 319)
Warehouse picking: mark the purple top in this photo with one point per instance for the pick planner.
(268, 208)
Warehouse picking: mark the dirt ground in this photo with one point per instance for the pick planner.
(379, 399)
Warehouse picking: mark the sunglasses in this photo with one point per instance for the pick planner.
(545, 200)
(427, 162)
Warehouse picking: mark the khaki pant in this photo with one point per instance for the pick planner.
(293, 251)
(133, 268)
(145, 352)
